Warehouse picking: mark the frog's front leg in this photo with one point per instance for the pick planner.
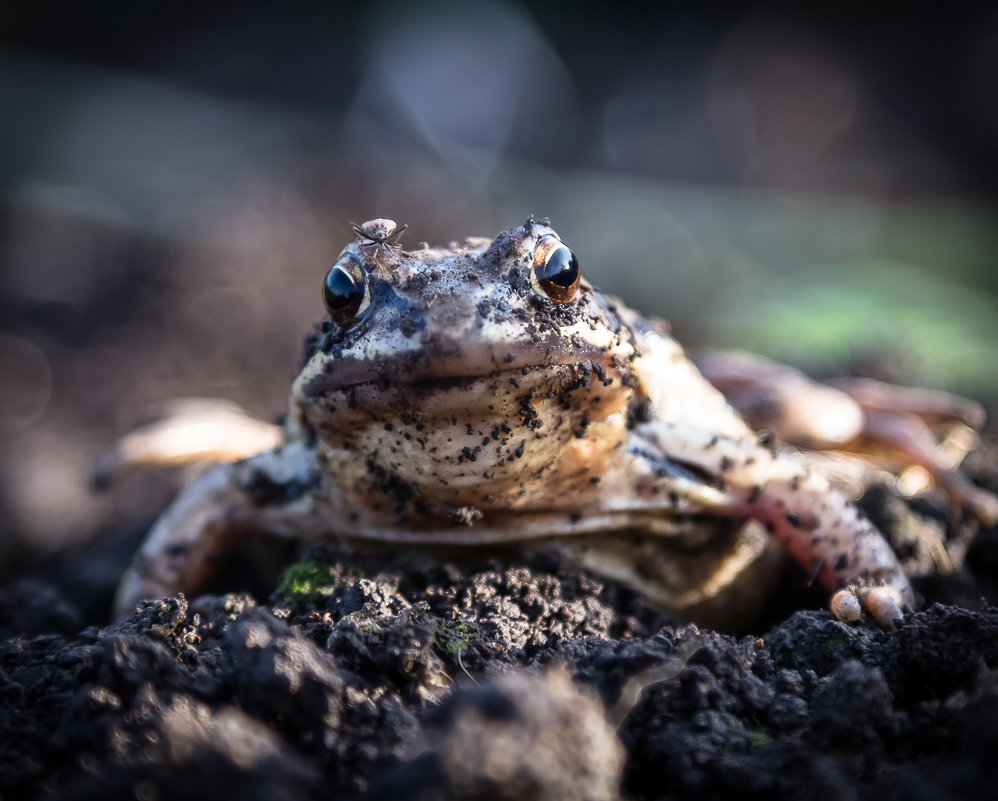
(828, 535)
(270, 492)
(817, 525)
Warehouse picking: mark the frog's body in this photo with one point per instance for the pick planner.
(483, 393)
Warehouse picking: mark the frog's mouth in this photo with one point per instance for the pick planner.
(445, 365)
(562, 384)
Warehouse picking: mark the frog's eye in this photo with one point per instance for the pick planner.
(345, 292)
(555, 273)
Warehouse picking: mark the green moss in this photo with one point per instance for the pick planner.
(453, 636)
(759, 738)
(306, 580)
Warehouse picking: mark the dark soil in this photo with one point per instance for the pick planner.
(405, 676)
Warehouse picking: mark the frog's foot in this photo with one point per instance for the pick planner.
(826, 534)
(188, 538)
(902, 426)
(185, 431)
(270, 492)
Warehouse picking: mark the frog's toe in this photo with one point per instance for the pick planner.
(846, 606)
(884, 607)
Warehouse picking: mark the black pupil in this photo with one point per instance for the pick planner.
(341, 290)
(561, 268)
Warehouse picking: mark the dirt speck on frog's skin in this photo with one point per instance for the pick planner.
(487, 393)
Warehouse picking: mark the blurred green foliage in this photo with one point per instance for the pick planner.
(943, 332)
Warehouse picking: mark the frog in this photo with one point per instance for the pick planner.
(486, 394)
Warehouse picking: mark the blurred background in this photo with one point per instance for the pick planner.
(176, 177)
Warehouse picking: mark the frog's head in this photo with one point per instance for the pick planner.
(466, 370)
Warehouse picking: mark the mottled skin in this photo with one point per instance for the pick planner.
(461, 405)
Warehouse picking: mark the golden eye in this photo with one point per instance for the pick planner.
(556, 270)
(345, 292)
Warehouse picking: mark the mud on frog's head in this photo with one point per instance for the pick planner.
(467, 372)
